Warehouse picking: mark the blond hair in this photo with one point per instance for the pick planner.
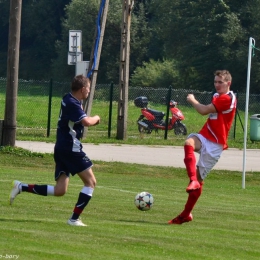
(223, 73)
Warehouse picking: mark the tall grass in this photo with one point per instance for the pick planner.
(225, 226)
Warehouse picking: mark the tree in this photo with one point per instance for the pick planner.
(82, 15)
(4, 29)
(250, 18)
(203, 36)
(79, 15)
(156, 74)
(199, 36)
(40, 28)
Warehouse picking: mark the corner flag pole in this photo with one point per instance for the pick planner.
(251, 43)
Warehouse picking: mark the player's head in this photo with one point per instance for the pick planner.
(81, 85)
(79, 82)
(222, 81)
(223, 73)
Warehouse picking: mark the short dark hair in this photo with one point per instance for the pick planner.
(79, 82)
(223, 73)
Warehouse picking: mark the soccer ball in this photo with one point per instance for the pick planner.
(144, 201)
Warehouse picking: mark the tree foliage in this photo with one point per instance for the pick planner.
(82, 15)
(193, 37)
(40, 28)
(204, 36)
(79, 15)
(156, 74)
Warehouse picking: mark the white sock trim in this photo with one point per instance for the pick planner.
(87, 190)
(50, 190)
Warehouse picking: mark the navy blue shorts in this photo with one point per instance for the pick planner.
(70, 162)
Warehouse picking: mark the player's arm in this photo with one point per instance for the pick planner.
(201, 109)
(77, 115)
(90, 120)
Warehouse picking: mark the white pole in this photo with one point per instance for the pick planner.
(251, 40)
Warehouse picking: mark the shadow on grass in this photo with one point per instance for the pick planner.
(143, 222)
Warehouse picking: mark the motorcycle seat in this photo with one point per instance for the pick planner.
(156, 113)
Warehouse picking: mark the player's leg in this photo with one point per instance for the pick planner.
(61, 178)
(209, 155)
(62, 184)
(85, 195)
(193, 197)
(191, 145)
(44, 190)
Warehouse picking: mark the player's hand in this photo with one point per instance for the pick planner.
(90, 121)
(98, 120)
(190, 98)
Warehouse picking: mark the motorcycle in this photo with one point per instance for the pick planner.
(151, 119)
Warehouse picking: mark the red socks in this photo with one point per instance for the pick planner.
(192, 199)
(194, 194)
(190, 162)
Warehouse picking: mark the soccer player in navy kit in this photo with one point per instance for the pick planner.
(68, 155)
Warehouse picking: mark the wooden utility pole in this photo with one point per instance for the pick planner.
(9, 129)
(124, 70)
(88, 103)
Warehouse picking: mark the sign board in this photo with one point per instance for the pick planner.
(74, 57)
(82, 68)
(75, 41)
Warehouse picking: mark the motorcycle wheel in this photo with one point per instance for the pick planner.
(180, 129)
(144, 130)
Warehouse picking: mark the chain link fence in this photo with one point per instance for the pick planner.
(38, 105)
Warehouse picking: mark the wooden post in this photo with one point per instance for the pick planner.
(88, 104)
(124, 70)
(9, 129)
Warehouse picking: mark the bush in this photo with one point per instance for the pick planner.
(156, 74)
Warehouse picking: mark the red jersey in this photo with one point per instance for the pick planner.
(217, 127)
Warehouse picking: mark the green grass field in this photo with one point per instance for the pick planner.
(226, 218)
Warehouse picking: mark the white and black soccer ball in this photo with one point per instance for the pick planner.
(144, 201)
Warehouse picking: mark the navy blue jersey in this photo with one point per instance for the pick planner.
(70, 129)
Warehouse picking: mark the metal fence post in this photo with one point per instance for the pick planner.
(235, 119)
(49, 109)
(237, 114)
(167, 112)
(110, 108)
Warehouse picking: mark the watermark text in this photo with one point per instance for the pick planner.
(7, 256)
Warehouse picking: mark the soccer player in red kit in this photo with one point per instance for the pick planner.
(209, 142)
